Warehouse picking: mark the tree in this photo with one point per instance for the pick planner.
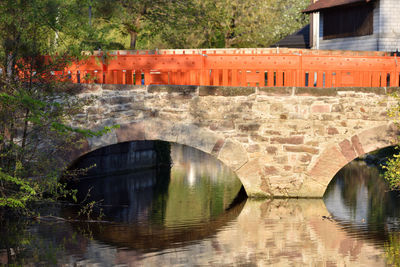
(133, 17)
(200, 24)
(260, 23)
(35, 107)
(392, 167)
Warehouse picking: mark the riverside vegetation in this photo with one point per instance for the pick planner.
(35, 106)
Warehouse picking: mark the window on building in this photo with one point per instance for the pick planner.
(348, 21)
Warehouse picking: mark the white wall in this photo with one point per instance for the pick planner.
(365, 43)
(386, 35)
(389, 25)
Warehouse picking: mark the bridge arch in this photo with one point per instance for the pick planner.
(285, 142)
(335, 156)
(228, 151)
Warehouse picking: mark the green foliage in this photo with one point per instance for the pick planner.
(35, 106)
(392, 167)
(392, 172)
(144, 24)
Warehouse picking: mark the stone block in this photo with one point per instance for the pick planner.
(249, 127)
(253, 148)
(233, 155)
(131, 132)
(320, 108)
(332, 131)
(225, 91)
(277, 108)
(347, 150)
(377, 137)
(178, 89)
(281, 159)
(118, 100)
(271, 150)
(301, 149)
(122, 87)
(330, 161)
(253, 179)
(194, 136)
(295, 140)
(312, 91)
(275, 91)
(280, 186)
(156, 129)
(270, 170)
(102, 141)
(305, 158)
(217, 147)
(272, 132)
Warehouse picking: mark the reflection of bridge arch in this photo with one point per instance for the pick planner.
(137, 236)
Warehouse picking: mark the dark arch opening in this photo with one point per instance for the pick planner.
(179, 194)
(149, 173)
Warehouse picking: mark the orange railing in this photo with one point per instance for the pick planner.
(239, 67)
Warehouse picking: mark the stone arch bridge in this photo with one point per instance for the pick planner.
(281, 142)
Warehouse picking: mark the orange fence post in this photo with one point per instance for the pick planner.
(270, 79)
(147, 77)
(243, 79)
(338, 80)
(123, 77)
(114, 77)
(215, 77)
(234, 81)
(279, 78)
(129, 77)
(300, 72)
(225, 77)
(287, 78)
(376, 79)
(328, 79)
(320, 79)
(193, 75)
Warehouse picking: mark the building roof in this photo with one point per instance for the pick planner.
(325, 4)
(299, 39)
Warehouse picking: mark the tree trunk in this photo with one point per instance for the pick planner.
(133, 40)
(10, 65)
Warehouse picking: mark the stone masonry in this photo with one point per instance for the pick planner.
(281, 142)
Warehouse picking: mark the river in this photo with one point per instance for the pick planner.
(194, 214)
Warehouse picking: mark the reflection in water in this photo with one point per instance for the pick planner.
(260, 233)
(360, 199)
(188, 220)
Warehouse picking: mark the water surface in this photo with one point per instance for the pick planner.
(190, 215)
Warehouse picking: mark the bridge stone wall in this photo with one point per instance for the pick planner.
(281, 142)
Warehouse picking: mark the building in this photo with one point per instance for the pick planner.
(355, 25)
(299, 39)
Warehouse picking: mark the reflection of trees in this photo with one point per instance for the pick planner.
(201, 187)
(24, 243)
(357, 178)
(392, 249)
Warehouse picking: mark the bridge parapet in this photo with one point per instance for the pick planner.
(239, 67)
(281, 142)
